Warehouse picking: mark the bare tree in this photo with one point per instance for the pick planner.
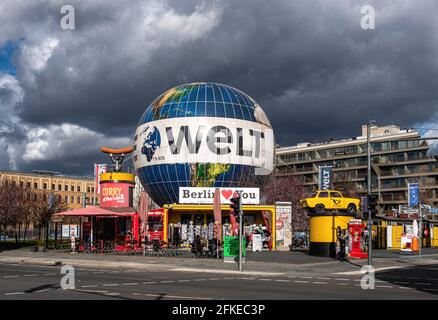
(290, 189)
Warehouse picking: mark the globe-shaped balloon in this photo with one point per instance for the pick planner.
(201, 135)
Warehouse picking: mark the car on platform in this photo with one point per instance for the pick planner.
(322, 200)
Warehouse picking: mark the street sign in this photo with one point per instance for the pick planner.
(413, 191)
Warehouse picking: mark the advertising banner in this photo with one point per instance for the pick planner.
(413, 191)
(205, 140)
(257, 244)
(98, 170)
(114, 194)
(283, 224)
(325, 177)
(67, 230)
(197, 195)
(406, 242)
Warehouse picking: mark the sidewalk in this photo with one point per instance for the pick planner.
(261, 263)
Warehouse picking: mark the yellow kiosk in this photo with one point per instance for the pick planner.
(323, 232)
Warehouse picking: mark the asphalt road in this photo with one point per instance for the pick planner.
(19, 281)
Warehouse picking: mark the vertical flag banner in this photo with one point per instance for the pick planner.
(325, 177)
(413, 191)
(217, 214)
(98, 170)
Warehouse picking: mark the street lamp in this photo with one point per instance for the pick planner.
(370, 229)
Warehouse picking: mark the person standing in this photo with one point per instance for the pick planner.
(73, 241)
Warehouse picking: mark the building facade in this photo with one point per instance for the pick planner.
(398, 157)
(71, 189)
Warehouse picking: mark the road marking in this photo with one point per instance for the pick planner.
(422, 284)
(90, 286)
(200, 279)
(342, 284)
(167, 281)
(130, 284)
(10, 277)
(380, 286)
(30, 275)
(305, 277)
(182, 281)
(265, 279)
(149, 282)
(283, 280)
(291, 276)
(401, 282)
(340, 279)
(43, 290)
(319, 282)
(324, 278)
(49, 274)
(228, 278)
(110, 285)
(404, 288)
(112, 294)
(13, 293)
(98, 272)
(301, 281)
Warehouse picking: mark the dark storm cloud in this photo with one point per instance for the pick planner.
(310, 66)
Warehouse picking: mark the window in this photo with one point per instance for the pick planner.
(323, 194)
(335, 195)
(72, 188)
(92, 189)
(21, 184)
(88, 189)
(72, 199)
(66, 199)
(78, 188)
(6, 182)
(313, 195)
(59, 187)
(28, 185)
(79, 199)
(45, 186)
(35, 185)
(53, 186)
(66, 188)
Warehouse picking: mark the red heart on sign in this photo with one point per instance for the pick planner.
(227, 193)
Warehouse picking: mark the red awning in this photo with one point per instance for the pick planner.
(97, 211)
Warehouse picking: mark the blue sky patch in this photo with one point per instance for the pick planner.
(6, 53)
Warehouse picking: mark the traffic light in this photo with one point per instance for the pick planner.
(235, 206)
(372, 207)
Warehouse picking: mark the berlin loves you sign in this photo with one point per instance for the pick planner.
(206, 195)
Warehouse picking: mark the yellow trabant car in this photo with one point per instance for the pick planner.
(322, 200)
